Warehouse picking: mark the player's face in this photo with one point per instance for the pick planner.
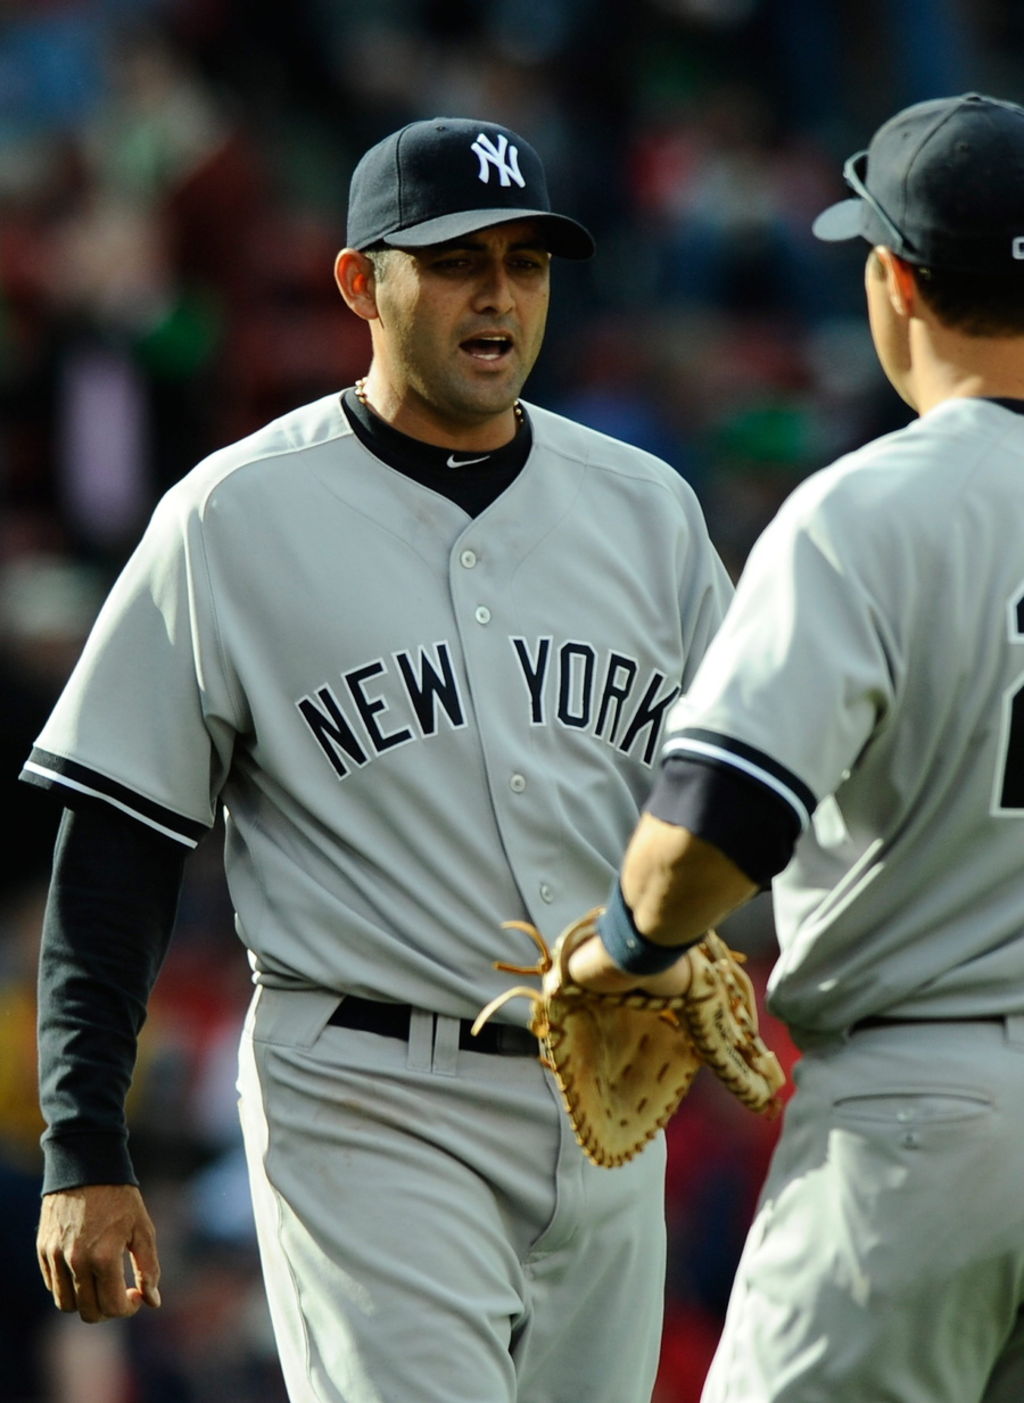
(459, 327)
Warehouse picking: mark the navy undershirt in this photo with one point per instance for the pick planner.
(471, 480)
(109, 916)
(745, 820)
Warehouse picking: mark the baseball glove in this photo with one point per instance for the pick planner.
(720, 1012)
(624, 1062)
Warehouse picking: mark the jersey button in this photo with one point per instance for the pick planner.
(517, 784)
(483, 614)
(546, 894)
(468, 559)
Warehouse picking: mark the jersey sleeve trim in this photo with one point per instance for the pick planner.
(725, 751)
(55, 772)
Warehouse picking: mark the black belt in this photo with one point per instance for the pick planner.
(878, 1020)
(392, 1021)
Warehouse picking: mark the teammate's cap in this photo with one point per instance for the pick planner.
(941, 184)
(436, 180)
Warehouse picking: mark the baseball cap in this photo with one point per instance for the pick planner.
(941, 184)
(436, 180)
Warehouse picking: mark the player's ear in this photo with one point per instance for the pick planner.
(353, 272)
(899, 281)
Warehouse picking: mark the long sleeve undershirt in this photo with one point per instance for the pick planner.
(109, 916)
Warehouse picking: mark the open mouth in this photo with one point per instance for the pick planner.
(488, 348)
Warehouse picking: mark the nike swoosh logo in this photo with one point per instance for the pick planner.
(465, 462)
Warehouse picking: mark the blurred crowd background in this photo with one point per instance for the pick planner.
(173, 177)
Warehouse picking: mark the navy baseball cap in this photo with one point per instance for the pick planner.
(439, 179)
(942, 185)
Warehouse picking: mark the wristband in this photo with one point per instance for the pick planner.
(632, 952)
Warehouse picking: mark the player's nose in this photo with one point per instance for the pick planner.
(494, 291)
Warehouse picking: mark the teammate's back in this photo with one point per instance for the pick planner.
(918, 832)
(855, 735)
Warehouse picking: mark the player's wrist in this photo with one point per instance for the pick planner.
(627, 947)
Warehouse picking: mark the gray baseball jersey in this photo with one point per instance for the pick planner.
(378, 687)
(871, 675)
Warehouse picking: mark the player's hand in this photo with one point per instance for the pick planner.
(83, 1237)
(592, 967)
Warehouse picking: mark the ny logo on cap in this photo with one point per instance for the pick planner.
(503, 157)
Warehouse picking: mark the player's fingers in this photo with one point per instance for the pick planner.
(146, 1269)
(58, 1280)
(672, 982)
(591, 966)
(45, 1271)
(101, 1288)
(64, 1279)
(87, 1302)
(144, 1295)
(93, 1282)
(75, 1291)
(114, 1299)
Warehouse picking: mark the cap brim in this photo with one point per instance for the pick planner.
(850, 219)
(842, 221)
(562, 235)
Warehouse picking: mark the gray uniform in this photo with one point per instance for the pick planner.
(871, 677)
(420, 725)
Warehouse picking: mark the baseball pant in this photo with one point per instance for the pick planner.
(428, 1226)
(886, 1258)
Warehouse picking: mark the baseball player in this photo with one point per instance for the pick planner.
(419, 640)
(857, 731)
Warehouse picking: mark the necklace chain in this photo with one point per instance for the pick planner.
(360, 389)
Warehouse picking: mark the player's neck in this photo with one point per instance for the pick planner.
(949, 365)
(430, 425)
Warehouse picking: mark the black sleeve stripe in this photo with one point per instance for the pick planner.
(50, 771)
(734, 754)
